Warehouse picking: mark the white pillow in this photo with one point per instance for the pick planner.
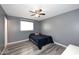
(36, 33)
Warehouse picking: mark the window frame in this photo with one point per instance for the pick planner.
(21, 29)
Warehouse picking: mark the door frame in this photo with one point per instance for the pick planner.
(5, 32)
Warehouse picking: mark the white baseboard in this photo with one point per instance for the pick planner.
(60, 44)
(28, 39)
(17, 42)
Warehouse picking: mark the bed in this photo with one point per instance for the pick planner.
(40, 40)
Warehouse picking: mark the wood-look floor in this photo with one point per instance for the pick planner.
(28, 48)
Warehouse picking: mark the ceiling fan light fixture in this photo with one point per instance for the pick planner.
(37, 15)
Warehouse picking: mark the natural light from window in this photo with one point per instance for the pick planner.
(26, 26)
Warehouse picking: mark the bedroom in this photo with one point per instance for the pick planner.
(59, 21)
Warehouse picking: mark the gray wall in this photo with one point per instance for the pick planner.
(63, 28)
(14, 33)
(2, 14)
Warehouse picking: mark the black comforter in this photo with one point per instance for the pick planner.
(41, 40)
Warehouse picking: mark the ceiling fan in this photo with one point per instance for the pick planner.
(37, 13)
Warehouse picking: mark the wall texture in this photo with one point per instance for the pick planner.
(63, 28)
(2, 14)
(14, 33)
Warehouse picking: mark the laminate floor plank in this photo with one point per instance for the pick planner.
(28, 48)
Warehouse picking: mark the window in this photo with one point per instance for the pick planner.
(26, 26)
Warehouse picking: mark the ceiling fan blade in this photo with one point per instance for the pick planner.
(40, 10)
(32, 14)
(32, 11)
(42, 13)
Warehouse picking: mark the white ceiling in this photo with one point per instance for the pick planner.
(22, 10)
